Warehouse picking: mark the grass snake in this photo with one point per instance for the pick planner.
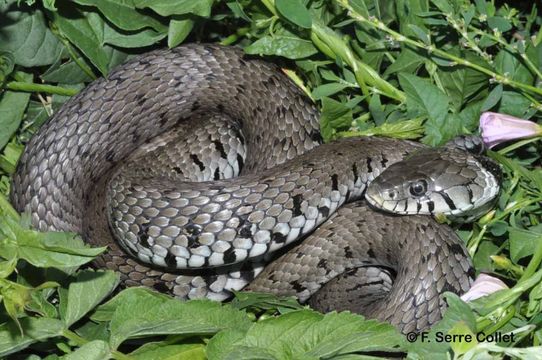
(200, 168)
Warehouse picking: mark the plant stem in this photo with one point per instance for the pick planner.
(32, 87)
(375, 23)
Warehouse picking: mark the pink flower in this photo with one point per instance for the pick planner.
(498, 128)
(482, 286)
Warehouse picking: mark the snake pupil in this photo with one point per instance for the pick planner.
(418, 188)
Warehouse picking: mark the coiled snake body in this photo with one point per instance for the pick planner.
(199, 158)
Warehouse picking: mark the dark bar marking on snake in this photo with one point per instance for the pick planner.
(335, 182)
(110, 155)
(456, 249)
(324, 210)
(229, 256)
(160, 287)
(197, 161)
(278, 237)
(297, 199)
(143, 235)
(297, 286)
(316, 136)
(371, 253)
(240, 162)
(383, 162)
(355, 172)
(447, 199)
(177, 170)
(430, 206)
(170, 260)
(220, 148)
(469, 191)
(216, 175)
(348, 253)
(418, 207)
(245, 231)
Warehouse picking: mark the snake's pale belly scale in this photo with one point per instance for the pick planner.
(241, 174)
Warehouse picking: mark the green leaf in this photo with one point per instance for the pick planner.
(142, 314)
(93, 350)
(335, 116)
(124, 14)
(424, 98)
(85, 31)
(462, 84)
(34, 329)
(88, 290)
(178, 7)
(524, 242)
(295, 11)
(290, 47)
(306, 334)
(153, 351)
(125, 39)
(178, 31)
(7, 64)
(25, 34)
(513, 103)
(328, 89)
(499, 23)
(44, 249)
(407, 61)
(12, 107)
(493, 98)
(264, 301)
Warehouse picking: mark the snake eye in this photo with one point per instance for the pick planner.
(418, 188)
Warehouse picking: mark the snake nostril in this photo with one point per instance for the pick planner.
(392, 194)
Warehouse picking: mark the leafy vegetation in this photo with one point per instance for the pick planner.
(406, 68)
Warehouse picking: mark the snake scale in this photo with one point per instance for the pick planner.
(200, 168)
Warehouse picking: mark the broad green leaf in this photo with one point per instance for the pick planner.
(12, 107)
(335, 116)
(328, 90)
(124, 14)
(289, 46)
(493, 98)
(26, 35)
(295, 11)
(65, 72)
(462, 84)
(106, 311)
(93, 350)
(142, 315)
(407, 61)
(7, 64)
(125, 39)
(499, 23)
(86, 292)
(178, 31)
(264, 301)
(514, 103)
(85, 31)
(34, 329)
(305, 334)
(153, 351)
(44, 249)
(524, 242)
(424, 98)
(179, 7)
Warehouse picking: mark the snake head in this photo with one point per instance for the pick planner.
(448, 181)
